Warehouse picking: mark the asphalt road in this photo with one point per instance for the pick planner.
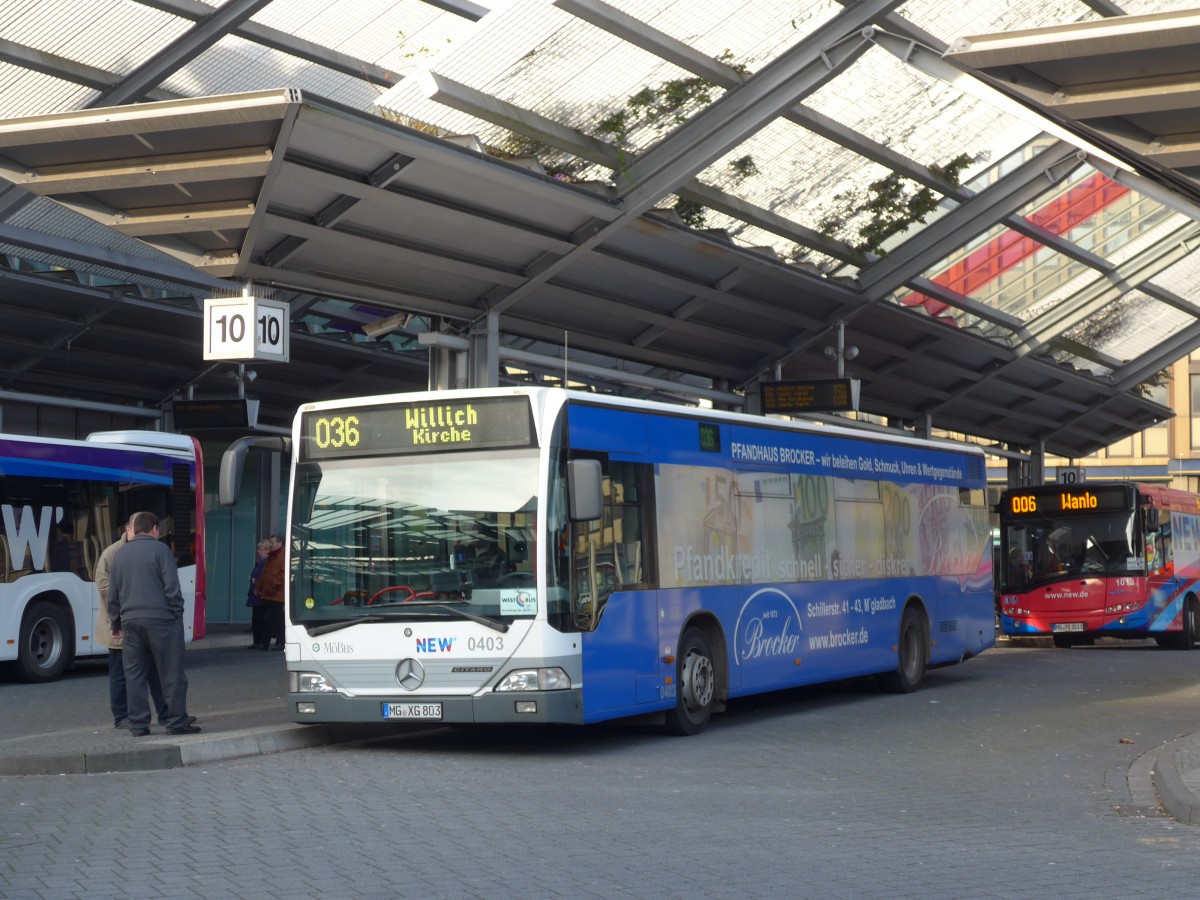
(1018, 774)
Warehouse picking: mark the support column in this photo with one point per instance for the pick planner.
(483, 352)
(1037, 464)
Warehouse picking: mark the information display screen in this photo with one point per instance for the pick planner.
(814, 395)
(1073, 499)
(478, 423)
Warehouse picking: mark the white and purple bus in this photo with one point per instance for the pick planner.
(539, 555)
(61, 503)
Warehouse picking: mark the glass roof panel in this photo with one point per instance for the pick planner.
(1182, 279)
(116, 35)
(1097, 214)
(402, 35)
(1129, 327)
(878, 96)
(751, 32)
(235, 64)
(27, 93)
(948, 21)
(1004, 269)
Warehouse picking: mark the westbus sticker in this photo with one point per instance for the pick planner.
(518, 603)
(768, 626)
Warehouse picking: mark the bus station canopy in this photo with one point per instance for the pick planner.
(677, 200)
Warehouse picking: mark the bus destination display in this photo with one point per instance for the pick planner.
(481, 423)
(1067, 500)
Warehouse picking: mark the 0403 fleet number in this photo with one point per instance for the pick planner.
(490, 644)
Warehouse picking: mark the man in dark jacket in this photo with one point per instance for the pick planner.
(145, 606)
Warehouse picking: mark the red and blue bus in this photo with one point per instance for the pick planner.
(61, 503)
(1085, 561)
(539, 555)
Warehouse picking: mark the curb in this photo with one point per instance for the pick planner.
(169, 754)
(1174, 759)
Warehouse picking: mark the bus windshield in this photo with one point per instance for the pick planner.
(1046, 548)
(415, 537)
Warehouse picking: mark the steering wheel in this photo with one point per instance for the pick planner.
(387, 590)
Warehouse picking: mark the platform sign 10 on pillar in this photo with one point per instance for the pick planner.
(245, 328)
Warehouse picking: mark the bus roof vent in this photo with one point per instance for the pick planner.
(156, 440)
(976, 467)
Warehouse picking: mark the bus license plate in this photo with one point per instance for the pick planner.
(1068, 626)
(412, 710)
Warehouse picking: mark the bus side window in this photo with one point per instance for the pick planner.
(609, 552)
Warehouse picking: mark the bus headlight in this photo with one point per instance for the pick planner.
(552, 679)
(309, 683)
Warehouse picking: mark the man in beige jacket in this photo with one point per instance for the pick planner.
(117, 697)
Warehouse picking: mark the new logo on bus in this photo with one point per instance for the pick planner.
(29, 536)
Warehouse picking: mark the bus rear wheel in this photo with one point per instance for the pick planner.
(695, 684)
(1187, 636)
(910, 670)
(44, 651)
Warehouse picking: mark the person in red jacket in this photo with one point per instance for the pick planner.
(270, 588)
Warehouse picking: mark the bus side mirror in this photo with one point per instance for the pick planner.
(583, 489)
(233, 460)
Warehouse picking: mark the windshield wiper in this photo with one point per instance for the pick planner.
(494, 624)
(474, 617)
(346, 623)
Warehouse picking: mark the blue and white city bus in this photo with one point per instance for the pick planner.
(61, 503)
(540, 555)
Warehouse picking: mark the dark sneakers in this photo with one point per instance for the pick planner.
(186, 729)
(139, 732)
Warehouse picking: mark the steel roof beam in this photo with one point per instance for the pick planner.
(165, 269)
(612, 20)
(198, 217)
(178, 53)
(726, 122)
(65, 69)
(148, 118)
(531, 124)
(197, 10)
(749, 107)
(191, 168)
(1168, 351)
(1104, 290)
(399, 199)
(400, 251)
(1120, 34)
(1025, 184)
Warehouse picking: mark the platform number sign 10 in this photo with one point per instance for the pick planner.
(246, 328)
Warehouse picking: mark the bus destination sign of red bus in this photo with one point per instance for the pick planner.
(1066, 500)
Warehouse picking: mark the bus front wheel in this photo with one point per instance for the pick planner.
(910, 669)
(695, 684)
(45, 643)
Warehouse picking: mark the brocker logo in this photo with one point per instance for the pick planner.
(768, 626)
(29, 536)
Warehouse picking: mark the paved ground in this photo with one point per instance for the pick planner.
(238, 696)
(1024, 773)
